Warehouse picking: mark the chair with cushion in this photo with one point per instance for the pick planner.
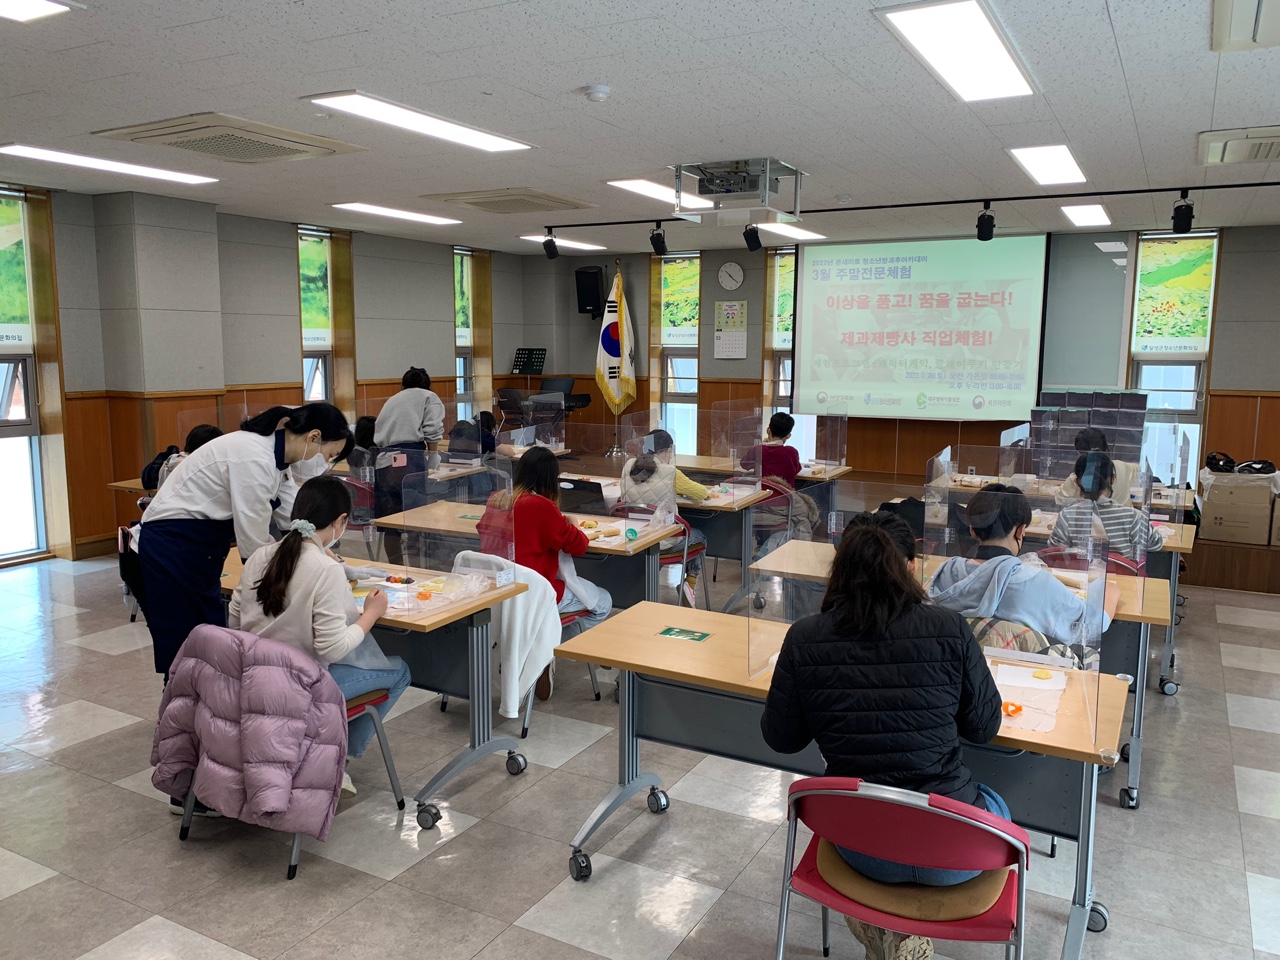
(1071, 558)
(681, 554)
(906, 827)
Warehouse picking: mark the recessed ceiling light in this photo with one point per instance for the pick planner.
(392, 212)
(1120, 260)
(384, 111)
(25, 10)
(1113, 246)
(96, 163)
(647, 188)
(1046, 165)
(960, 45)
(791, 230)
(1088, 215)
(572, 244)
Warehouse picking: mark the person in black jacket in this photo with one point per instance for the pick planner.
(888, 685)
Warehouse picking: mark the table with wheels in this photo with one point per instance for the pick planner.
(700, 696)
(448, 652)
(728, 521)
(628, 569)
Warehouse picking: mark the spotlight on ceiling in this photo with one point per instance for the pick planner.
(1183, 213)
(986, 222)
(549, 245)
(752, 237)
(658, 240)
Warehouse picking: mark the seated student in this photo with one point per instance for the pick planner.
(478, 437)
(296, 592)
(1091, 438)
(997, 585)
(653, 479)
(774, 458)
(198, 436)
(887, 685)
(408, 431)
(544, 538)
(1129, 531)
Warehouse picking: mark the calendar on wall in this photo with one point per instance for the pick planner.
(731, 330)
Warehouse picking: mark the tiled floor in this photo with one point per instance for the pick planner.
(91, 867)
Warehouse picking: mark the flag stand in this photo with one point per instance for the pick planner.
(615, 450)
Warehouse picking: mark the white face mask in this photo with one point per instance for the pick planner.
(306, 468)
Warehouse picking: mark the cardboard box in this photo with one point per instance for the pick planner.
(1275, 527)
(1236, 522)
(1230, 488)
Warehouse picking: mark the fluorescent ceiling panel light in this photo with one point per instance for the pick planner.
(961, 47)
(570, 244)
(1088, 215)
(384, 111)
(96, 163)
(392, 212)
(1113, 246)
(1047, 165)
(791, 230)
(1120, 260)
(647, 188)
(25, 10)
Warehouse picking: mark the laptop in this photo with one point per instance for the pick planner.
(582, 496)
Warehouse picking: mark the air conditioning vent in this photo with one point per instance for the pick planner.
(1245, 25)
(511, 200)
(231, 138)
(1251, 145)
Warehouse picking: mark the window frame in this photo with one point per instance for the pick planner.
(669, 395)
(325, 357)
(1197, 391)
(21, 366)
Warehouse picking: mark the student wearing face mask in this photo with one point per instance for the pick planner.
(227, 492)
(295, 592)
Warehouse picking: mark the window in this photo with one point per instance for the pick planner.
(1170, 386)
(781, 322)
(1175, 402)
(316, 313)
(464, 372)
(681, 313)
(782, 381)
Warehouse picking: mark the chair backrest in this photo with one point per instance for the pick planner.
(647, 510)
(907, 827)
(1063, 558)
(1119, 563)
(362, 503)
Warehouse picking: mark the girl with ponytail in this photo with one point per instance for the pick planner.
(887, 684)
(296, 592)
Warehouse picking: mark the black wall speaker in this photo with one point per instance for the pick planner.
(590, 281)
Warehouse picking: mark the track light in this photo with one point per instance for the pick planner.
(549, 245)
(752, 237)
(1183, 213)
(986, 222)
(658, 240)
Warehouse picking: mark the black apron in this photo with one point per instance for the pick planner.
(182, 571)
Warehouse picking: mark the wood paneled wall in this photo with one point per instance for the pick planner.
(1244, 425)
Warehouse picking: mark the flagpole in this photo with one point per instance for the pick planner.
(616, 450)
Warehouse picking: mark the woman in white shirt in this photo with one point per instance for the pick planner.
(296, 592)
(227, 492)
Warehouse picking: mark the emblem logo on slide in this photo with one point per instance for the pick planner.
(822, 396)
(979, 401)
(922, 400)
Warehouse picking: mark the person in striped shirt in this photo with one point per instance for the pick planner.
(1128, 531)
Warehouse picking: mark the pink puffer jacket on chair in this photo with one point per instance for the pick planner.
(262, 725)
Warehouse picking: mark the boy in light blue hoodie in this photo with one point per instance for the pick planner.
(995, 583)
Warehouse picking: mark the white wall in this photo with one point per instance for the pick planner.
(404, 306)
(1246, 339)
(1084, 326)
(258, 274)
(79, 307)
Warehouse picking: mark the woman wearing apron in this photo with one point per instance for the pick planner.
(226, 492)
(408, 432)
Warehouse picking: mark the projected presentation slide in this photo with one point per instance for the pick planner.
(931, 329)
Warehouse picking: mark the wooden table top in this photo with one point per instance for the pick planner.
(729, 466)
(1142, 599)
(422, 622)
(129, 486)
(460, 519)
(632, 640)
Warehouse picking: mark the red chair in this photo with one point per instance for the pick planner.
(907, 827)
(364, 704)
(1070, 558)
(680, 556)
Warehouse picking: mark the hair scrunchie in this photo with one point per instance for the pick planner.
(304, 527)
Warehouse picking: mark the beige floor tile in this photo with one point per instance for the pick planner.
(31, 782)
(112, 756)
(1264, 909)
(1247, 617)
(1250, 658)
(409, 751)
(1200, 777)
(258, 912)
(1258, 792)
(1261, 836)
(736, 926)
(17, 873)
(692, 841)
(117, 640)
(1251, 683)
(553, 740)
(411, 698)
(739, 788)
(1254, 713)
(515, 943)
(1203, 832)
(451, 726)
(140, 783)
(61, 919)
(761, 879)
(375, 837)
(479, 790)
(395, 923)
(492, 869)
(650, 912)
(159, 939)
(1256, 637)
(600, 760)
(1132, 938)
(557, 806)
(43, 730)
(1256, 749)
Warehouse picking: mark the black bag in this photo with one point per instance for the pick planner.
(151, 472)
(1265, 467)
(1220, 463)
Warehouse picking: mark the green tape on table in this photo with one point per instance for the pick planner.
(680, 634)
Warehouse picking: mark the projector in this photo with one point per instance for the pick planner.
(732, 177)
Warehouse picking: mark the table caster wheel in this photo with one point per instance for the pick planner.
(1168, 687)
(516, 764)
(757, 601)
(1099, 917)
(428, 815)
(1124, 753)
(580, 866)
(658, 801)
(1129, 798)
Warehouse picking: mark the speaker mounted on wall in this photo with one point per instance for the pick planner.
(591, 295)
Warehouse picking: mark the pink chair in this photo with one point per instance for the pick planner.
(906, 827)
(681, 555)
(1069, 558)
(363, 512)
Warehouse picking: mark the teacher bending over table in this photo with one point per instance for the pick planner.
(226, 492)
(887, 684)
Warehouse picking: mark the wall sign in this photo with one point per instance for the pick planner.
(1173, 301)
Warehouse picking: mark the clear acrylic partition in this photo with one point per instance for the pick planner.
(546, 416)
(632, 426)
(831, 439)
(189, 419)
(588, 465)
(647, 474)
(733, 428)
